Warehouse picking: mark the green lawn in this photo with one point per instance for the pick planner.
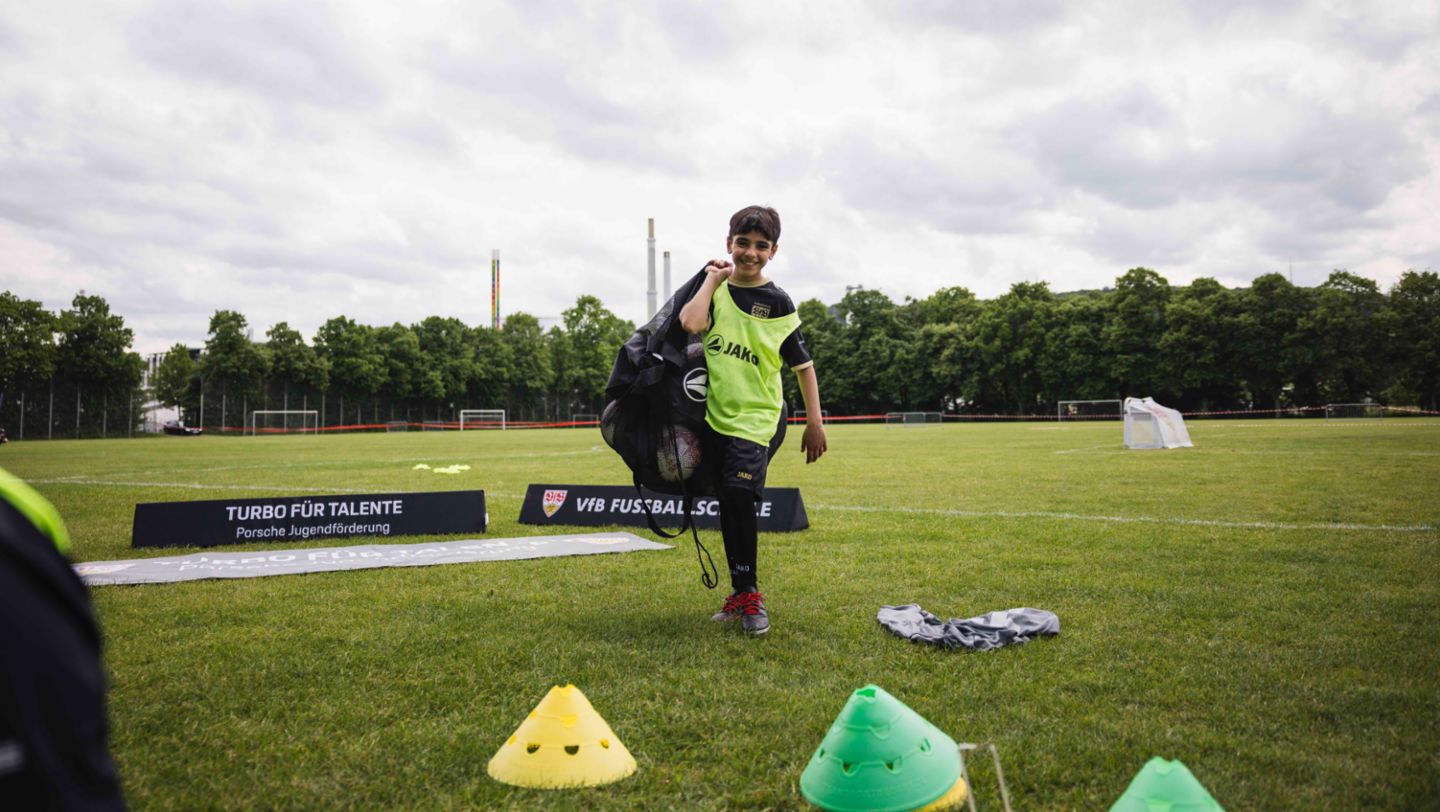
(1264, 607)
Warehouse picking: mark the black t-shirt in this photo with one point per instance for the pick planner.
(768, 301)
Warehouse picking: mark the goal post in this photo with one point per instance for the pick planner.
(1354, 411)
(1089, 410)
(284, 421)
(913, 419)
(583, 420)
(482, 419)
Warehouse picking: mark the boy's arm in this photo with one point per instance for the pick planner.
(813, 443)
(695, 315)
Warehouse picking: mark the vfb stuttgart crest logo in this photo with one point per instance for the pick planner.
(552, 502)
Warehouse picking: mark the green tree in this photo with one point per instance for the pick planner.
(448, 345)
(1348, 333)
(408, 371)
(233, 364)
(176, 379)
(947, 354)
(1198, 350)
(94, 346)
(953, 305)
(1133, 332)
(525, 364)
(1008, 340)
(27, 334)
(587, 346)
(1269, 355)
(293, 363)
(356, 362)
(819, 329)
(1075, 364)
(929, 384)
(869, 365)
(93, 358)
(496, 364)
(1415, 301)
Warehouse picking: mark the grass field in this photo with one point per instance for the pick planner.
(1264, 607)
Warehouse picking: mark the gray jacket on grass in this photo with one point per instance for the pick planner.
(980, 633)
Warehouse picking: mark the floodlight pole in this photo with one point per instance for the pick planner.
(650, 266)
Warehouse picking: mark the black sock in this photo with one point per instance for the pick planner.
(738, 527)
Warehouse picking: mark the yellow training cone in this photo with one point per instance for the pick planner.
(562, 743)
(950, 800)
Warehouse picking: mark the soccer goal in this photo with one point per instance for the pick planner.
(1089, 410)
(1354, 411)
(397, 425)
(482, 419)
(582, 420)
(912, 419)
(284, 421)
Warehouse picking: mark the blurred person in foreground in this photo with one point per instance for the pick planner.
(54, 729)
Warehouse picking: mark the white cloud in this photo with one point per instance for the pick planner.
(296, 162)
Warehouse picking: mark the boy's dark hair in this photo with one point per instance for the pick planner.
(756, 218)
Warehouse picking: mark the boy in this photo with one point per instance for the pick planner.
(751, 326)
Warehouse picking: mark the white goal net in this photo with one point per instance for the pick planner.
(482, 419)
(1089, 410)
(284, 421)
(583, 420)
(912, 418)
(1354, 411)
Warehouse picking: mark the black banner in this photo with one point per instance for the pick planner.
(592, 505)
(299, 518)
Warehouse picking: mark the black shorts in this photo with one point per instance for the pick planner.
(742, 463)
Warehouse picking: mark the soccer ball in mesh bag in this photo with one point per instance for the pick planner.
(607, 422)
(678, 453)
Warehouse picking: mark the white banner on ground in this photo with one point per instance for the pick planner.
(259, 563)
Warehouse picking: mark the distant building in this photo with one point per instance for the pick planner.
(156, 414)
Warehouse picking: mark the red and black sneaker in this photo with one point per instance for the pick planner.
(749, 607)
(731, 609)
(753, 619)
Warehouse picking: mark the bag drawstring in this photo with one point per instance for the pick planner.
(709, 573)
(710, 576)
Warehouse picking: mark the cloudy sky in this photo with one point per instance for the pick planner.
(296, 161)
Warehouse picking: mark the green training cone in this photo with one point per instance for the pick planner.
(1165, 786)
(880, 756)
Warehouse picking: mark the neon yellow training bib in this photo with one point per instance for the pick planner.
(34, 507)
(742, 356)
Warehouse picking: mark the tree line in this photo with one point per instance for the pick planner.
(1199, 347)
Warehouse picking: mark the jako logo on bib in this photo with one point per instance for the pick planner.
(697, 384)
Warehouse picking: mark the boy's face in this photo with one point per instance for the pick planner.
(750, 252)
